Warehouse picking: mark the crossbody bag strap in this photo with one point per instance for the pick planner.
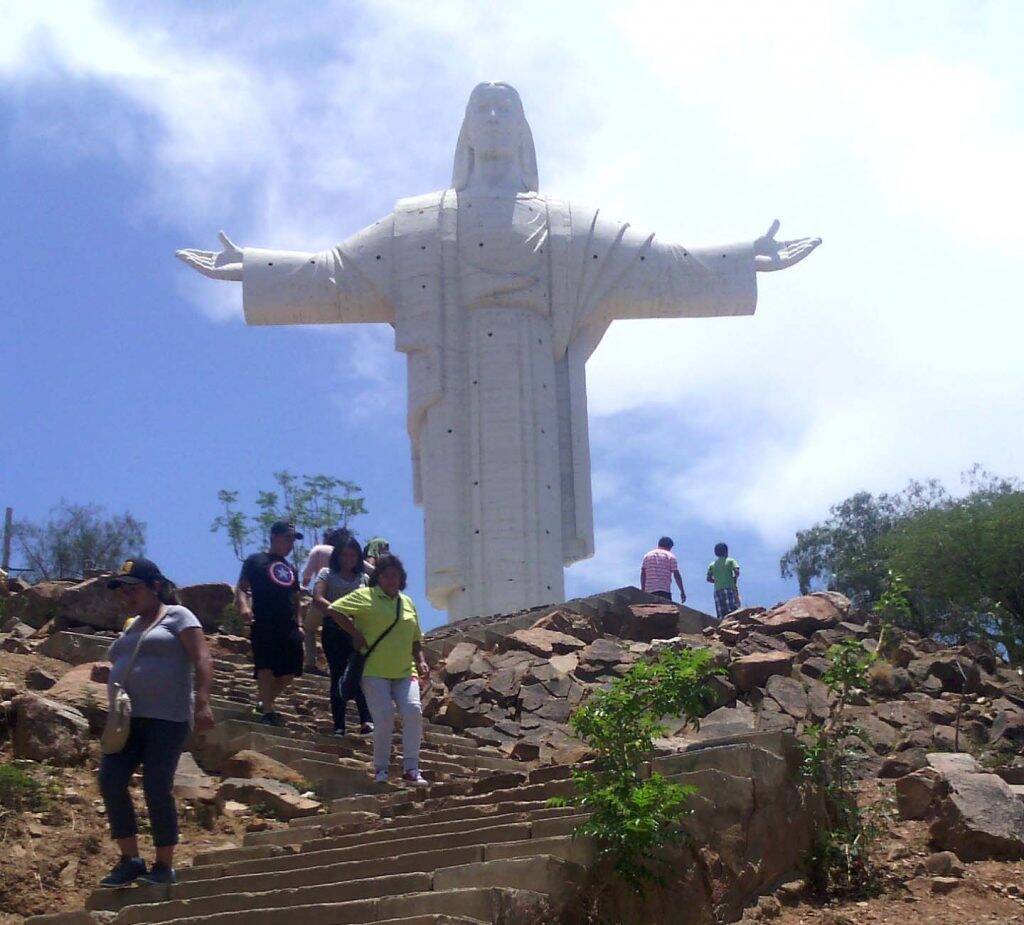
(394, 623)
(142, 639)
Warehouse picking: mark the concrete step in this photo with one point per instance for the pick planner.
(479, 904)
(541, 873)
(401, 844)
(316, 837)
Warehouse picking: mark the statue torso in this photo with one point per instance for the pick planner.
(503, 252)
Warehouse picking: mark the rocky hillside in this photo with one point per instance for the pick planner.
(943, 728)
(513, 683)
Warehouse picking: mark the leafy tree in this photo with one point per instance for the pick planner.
(316, 504)
(843, 553)
(633, 814)
(78, 537)
(965, 564)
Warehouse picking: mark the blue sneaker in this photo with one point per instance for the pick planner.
(160, 874)
(125, 873)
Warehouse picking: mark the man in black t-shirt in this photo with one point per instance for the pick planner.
(267, 597)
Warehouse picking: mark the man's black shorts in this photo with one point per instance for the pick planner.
(278, 647)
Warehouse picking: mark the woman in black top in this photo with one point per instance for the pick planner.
(343, 574)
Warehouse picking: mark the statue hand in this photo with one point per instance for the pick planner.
(225, 265)
(770, 254)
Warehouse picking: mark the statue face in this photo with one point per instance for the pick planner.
(494, 122)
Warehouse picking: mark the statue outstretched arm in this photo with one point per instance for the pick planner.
(346, 284)
(656, 279)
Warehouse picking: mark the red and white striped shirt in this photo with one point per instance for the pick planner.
(658, 566)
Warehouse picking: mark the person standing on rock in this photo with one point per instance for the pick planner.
(312, 617)
(657, 570)
(382, 621)
(343, 575)
(164, 665)
(267, 597)
(724, 574)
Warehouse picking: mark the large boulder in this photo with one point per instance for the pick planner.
(207, 602)
(89, 602)
(270, 796)
(45, 730)
(40, 603)
(647, 622)
(805, 615)
(750, 671)
(75, 648)
(249, 765)
(979, 818)
(544, 643)
(76, 688)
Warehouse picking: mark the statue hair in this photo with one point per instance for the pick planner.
(526, 156)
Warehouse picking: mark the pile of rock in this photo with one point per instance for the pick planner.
(33, 613)
(518, 692)
(516, 689)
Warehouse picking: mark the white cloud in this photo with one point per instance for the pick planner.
(896, 133)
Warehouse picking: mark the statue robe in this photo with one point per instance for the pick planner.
(497, 312)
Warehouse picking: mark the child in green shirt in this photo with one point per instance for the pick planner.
(723, 574)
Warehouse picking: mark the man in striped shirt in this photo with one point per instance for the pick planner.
(658, 569)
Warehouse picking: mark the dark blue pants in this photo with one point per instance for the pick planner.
(338, 648)
(156, 744)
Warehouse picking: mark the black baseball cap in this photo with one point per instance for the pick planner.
(282, 527)
(136, 572)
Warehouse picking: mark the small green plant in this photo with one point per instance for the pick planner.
(633, 814)
(839, 862)
(21, 790)
(231, 621)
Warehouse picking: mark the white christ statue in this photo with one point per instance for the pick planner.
(497, 296)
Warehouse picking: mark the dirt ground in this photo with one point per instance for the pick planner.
(51, 860)
(990, 892)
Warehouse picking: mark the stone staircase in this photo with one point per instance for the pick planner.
(333, 766)
(405, 856)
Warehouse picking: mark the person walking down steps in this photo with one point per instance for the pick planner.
(724, 574)
(383, 624)
(267, 597)
(343, 575)
(163, 664)
(312, 618)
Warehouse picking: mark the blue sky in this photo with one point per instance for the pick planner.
(896, 134)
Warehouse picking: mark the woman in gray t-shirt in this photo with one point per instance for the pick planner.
(344, 573)
(173, 661)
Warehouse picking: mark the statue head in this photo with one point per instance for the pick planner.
(495, 126)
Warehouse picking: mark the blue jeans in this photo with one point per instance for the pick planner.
(156, 744)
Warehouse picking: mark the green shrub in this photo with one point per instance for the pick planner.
(840, 862)
(231, 622)
(632, 814)
(21, 790)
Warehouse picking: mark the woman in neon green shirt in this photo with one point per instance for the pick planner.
(395, 669)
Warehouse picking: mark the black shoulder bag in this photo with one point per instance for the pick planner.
(348, 685)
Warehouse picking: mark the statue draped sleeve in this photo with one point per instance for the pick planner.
(637, 275)
(347, 284)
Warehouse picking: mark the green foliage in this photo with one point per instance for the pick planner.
(231, 622)
(634, 814)
(965, 565)
(316, 504)
(21, 790)
(75, 538)
(847, 672)
(842, 554)
(925, 561)
(839, 862)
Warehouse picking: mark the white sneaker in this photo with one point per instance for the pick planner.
(381, 777)
(414, 777)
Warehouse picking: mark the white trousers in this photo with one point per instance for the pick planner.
(382, 696)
